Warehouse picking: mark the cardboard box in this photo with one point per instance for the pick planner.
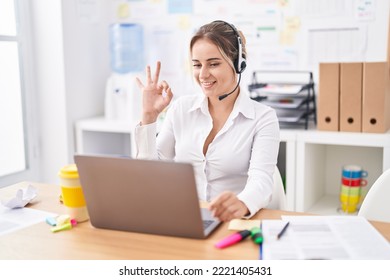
(328, 109)
(376, 97)
(351, 75)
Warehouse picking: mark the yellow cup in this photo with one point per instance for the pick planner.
(349, 203)
(351, 199)
(349, 208)
(72, 193)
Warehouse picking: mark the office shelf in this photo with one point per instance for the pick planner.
(294, 102)
(320, 157)
(312, 160)
(101, 136)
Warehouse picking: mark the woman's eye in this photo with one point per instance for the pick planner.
(196, 65)
(214, 64)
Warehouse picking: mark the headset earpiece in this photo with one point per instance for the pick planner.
(240, 61)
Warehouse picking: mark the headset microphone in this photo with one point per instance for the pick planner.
(221, 97)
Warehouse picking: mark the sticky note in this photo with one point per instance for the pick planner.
(62, 219)
(239, 224)
(51, 221)
(123, 10)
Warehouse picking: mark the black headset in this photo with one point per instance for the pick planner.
(240, 61)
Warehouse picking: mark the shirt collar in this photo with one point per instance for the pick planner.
(243, 105)
(201, 103)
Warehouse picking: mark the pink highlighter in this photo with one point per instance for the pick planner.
(233, 239)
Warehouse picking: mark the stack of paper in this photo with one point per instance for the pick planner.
(280, 89)
(323, 237)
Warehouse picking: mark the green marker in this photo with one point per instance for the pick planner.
(257, 235)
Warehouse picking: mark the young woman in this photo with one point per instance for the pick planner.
(231, 140)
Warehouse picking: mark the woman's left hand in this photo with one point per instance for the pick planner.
(227, 206)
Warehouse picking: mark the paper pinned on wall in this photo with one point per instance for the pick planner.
(165, 40)
(321, 8)
(293, 24)
(277, 58)
(365, 10)
(286, 38)
(179, 6)
(123, 11)
(210, 7)
(147, 9)
(351, 46)
(184, 22)
(283, 3)
(266, 34)
(89, 11)
(169, 45)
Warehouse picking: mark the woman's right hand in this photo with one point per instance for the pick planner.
(155, 96)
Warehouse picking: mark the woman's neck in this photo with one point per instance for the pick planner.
(225, 105)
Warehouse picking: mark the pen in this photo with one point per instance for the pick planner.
(283, 230)
(233, 239)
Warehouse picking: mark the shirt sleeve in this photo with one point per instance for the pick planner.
(166, 138)
(145, 141)
(258, 189)
(153, 144)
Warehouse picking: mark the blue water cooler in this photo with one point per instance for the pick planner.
(126, 48)
(123, 97)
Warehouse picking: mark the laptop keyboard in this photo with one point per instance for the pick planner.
(207, 223)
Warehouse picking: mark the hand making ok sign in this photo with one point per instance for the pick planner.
(155, 96)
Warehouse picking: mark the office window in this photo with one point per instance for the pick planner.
(16, 139)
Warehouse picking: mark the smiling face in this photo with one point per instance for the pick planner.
(211, 70)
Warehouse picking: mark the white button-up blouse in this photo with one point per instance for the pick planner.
(241, 158)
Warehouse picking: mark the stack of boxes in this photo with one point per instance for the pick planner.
(354, 97)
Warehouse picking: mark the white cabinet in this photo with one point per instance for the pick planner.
(101, 136)
(320, 156)
(312, 160)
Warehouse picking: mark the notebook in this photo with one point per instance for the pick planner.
(146, 196)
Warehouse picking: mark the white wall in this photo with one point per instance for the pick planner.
(86, 60)
(280, 35)
(72, 66)
(50, 83)
(71, 60)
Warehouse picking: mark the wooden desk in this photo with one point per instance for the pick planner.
(86, 242)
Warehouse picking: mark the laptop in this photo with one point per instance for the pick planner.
(145, 196)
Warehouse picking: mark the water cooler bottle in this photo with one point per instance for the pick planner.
(123, 99)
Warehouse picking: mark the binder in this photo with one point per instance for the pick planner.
(388, 44)
(376, 97)
(328, 97)
(351, 97)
